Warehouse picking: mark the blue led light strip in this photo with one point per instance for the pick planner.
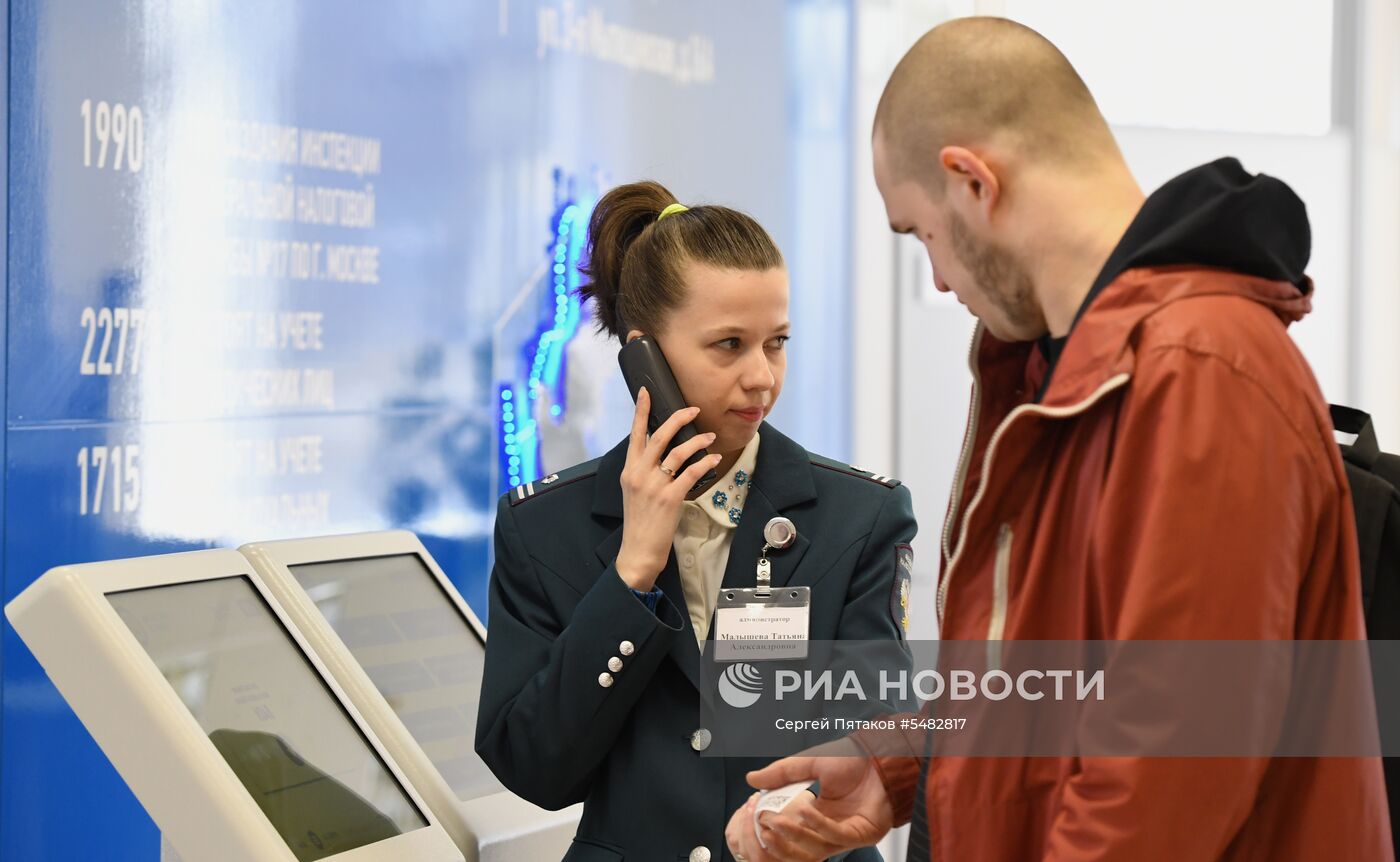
(544, 352)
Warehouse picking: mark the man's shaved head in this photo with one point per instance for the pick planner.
(974, 82)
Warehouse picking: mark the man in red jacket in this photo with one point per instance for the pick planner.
(1148, 458)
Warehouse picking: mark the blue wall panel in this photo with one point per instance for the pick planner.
(6, 634)
(271, 265)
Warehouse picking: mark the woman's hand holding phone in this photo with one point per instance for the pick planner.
(653, 491)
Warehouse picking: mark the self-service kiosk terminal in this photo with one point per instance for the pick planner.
(221, 718)
(409, 651)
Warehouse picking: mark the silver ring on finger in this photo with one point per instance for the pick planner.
(667, 470)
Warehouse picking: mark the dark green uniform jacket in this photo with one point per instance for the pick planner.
(556, 735)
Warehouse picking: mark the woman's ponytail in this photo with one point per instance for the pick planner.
(618, 220)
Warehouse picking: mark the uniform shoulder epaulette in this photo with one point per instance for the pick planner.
(553, 482)
(849, 470)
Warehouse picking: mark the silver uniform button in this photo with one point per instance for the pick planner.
(614, 664)
(700, 739)
(626, 648)
(700, 854)
(605, 679)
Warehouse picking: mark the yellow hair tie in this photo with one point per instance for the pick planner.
(672, 210)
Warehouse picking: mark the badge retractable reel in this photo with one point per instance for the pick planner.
(778, 533)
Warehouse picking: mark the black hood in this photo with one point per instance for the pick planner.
(1216, 215)
(1219, 215)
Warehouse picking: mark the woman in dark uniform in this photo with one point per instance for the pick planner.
(607, 574)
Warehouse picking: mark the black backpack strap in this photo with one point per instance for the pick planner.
(1361, 447)
(1371, 499)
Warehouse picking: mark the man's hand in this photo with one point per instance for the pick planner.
(853, 810)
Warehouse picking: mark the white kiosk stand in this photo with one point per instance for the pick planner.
(217, 714)
(409, 652)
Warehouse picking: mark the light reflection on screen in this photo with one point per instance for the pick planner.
(419, 650)
(269, 714)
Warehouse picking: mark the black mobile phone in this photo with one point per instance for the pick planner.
(643, 364)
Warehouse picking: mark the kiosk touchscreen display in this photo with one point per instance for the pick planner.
(420, 652)
(270, 715)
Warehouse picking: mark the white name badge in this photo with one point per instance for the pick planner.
(751, 626)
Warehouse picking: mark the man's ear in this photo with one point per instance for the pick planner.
(633, 335)
(973, 187)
